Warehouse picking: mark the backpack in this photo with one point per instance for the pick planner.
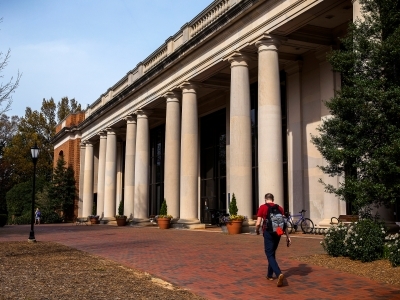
(274, 220)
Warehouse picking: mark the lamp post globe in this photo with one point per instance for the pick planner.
(35, 154)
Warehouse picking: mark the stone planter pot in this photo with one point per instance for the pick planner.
(121, 221)
(164, 223)
(224, 229)
(94, 220)
(234, 226)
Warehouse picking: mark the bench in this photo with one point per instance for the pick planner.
(345, 219)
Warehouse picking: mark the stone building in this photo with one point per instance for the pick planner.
(226, 105)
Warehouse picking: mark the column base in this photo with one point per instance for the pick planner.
(108, 220)
(188, 224)
(325, 223)
(142, 222)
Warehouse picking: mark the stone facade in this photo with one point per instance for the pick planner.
(226, 105)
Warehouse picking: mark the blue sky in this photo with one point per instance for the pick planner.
(79, 48)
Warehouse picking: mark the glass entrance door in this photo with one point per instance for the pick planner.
(212, 164)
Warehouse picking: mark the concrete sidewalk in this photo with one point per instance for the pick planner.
(210, 263)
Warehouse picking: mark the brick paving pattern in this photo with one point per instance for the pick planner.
(210, 263)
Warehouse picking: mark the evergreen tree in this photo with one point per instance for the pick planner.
(62, 190)
(66, 107)
(361, 142)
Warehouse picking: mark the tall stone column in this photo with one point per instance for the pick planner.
(81, 179)
(270, 164)
(88, 180)
(189, 157)
(110, 175)
(240, 134)
(172, 153)
(357, 14)
(119, 181)
(295, 144)
(130, 165)
(332, 206)
(101, 173)
(142, 159)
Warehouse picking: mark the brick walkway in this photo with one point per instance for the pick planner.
(210, 263)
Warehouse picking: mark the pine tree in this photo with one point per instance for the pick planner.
(62, 190)
(233, 209)
(361, 142)
(66, 107)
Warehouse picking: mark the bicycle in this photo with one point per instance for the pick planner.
(307, 226)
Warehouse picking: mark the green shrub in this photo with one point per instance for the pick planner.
(333, 242)
(164, 208)
(392, 249)
(121, 208)
(49, 217)
(19, 199)
(365, 240)
(233, 209)
(3, 219)
(23, 219)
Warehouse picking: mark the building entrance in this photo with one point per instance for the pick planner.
(212, 165)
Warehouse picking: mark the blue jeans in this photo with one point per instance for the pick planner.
(271, 242)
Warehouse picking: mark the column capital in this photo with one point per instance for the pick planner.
(239, 58)
(172, 96)
(268, 42)
(130, 119)
(102, 134)
(189, 87)
(87, 143)
(143, 113)
(111, 131)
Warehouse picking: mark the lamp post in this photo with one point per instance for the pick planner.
(35, 154)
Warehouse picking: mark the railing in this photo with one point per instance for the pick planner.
(210, 16)
(194, 27)
(154, 59)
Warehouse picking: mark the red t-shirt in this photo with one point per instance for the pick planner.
(263, 209)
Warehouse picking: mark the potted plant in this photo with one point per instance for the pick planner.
(234, 223)
(94, 219)
(164, 219)
(121, 218)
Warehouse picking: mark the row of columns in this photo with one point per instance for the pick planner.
(182, 147)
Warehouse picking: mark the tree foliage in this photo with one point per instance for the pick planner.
(8, 88)
(361, 142)
(8, 128)
(62, 190)
(19, 197)
(67, 106)
(34, 127)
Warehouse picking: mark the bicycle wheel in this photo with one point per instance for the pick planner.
(289, 226)
(307, 225)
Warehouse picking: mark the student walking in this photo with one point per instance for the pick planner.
(37, 216)
(271, 237)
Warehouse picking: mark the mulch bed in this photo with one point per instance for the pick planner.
(379, 270)
(46, 270)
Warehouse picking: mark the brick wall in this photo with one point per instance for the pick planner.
(71, 150)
